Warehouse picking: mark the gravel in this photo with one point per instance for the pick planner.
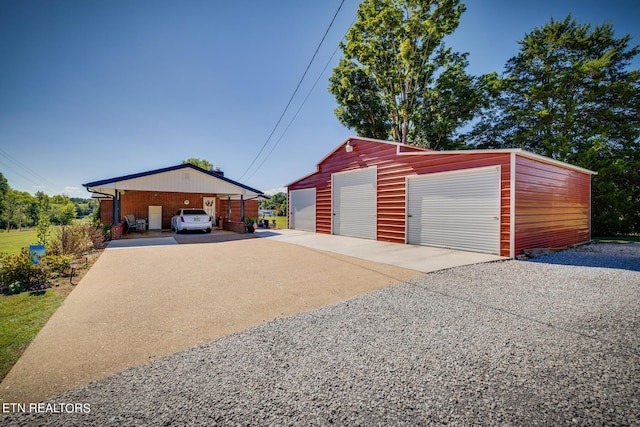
(553, 341)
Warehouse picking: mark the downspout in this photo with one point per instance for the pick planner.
(241, 208)
(104, 194)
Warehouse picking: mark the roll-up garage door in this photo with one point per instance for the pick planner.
(354, 203)
(459, 209)
(302, 209)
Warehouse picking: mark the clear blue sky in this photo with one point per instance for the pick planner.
(95, 89)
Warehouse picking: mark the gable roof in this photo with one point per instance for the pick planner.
(173, 178)
(413, 151)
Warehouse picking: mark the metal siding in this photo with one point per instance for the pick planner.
(552, 205)
(354, 203)
(302, 208)
(392, 171)
(459, 210)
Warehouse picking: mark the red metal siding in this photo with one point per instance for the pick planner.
(392, 171)
(552, 204)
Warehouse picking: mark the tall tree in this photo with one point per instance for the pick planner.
(397, 79)
(569, 95)
(4, 188)
(201, 163)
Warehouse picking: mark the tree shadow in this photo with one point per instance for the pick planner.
(623, 256)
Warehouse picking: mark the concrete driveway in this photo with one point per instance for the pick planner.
(151, 297)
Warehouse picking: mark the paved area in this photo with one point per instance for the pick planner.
(150, 297)
(419, 258)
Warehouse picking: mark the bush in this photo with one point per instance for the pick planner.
(17, 274)
(59, 264)
(76, 239)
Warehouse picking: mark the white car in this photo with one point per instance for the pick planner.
(191, 219)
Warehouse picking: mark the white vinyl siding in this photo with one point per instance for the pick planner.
(354, 203)
(459, 210)
(302, 212)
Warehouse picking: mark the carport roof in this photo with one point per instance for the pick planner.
(210, 181)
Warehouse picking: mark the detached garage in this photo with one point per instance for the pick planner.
(494, 201)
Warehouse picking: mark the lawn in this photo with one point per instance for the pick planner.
(21, 317)
(13, 241)
(281, 221)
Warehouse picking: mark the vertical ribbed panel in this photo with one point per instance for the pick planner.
(354, 203)
(302, 209)
(459, 210)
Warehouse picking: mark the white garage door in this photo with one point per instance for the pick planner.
(302, 209)
(459, 210)
(354, 203)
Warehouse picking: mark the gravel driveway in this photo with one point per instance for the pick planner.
(553, 341)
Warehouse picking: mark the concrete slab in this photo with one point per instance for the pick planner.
(419, 258)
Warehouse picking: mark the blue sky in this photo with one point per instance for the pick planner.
(91, 90)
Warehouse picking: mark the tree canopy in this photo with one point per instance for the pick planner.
(569, 95)
(20, 209)
(201, 163)
(397, 80)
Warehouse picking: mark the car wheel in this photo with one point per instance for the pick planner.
(208, 230)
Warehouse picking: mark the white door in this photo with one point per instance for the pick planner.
(155, 217)
(302, 210)
(209, 206)
(459, 210)
(354, 203)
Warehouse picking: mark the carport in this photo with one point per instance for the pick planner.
(157, 194)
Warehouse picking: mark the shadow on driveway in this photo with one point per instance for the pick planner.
(623, 256)
(166, 237)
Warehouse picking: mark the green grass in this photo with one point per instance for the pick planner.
(616, 239)
(13, 241)
(281, 221)
(21, 317)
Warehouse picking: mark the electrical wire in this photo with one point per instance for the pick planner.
(294, 92)
(296, 114)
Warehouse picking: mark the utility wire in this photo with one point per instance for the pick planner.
(296, 114)
(303, 102)
(19, 167)
(294, 92)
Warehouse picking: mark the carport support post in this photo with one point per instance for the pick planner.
(116, 208)
(241, 208)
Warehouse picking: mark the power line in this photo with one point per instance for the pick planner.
(294, 92)
(21, 165)
(296, 114)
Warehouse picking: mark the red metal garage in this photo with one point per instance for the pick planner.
(495, 201)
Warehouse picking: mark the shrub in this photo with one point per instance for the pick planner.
(76, 239)
(17, 274)
(59, 264)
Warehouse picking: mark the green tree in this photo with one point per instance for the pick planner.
(397, 79)
(4, 188)
(201, 163)
(20, 210)
(569, 95)
(277, 203)
(62, 210)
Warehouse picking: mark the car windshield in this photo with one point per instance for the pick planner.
(193, 212)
